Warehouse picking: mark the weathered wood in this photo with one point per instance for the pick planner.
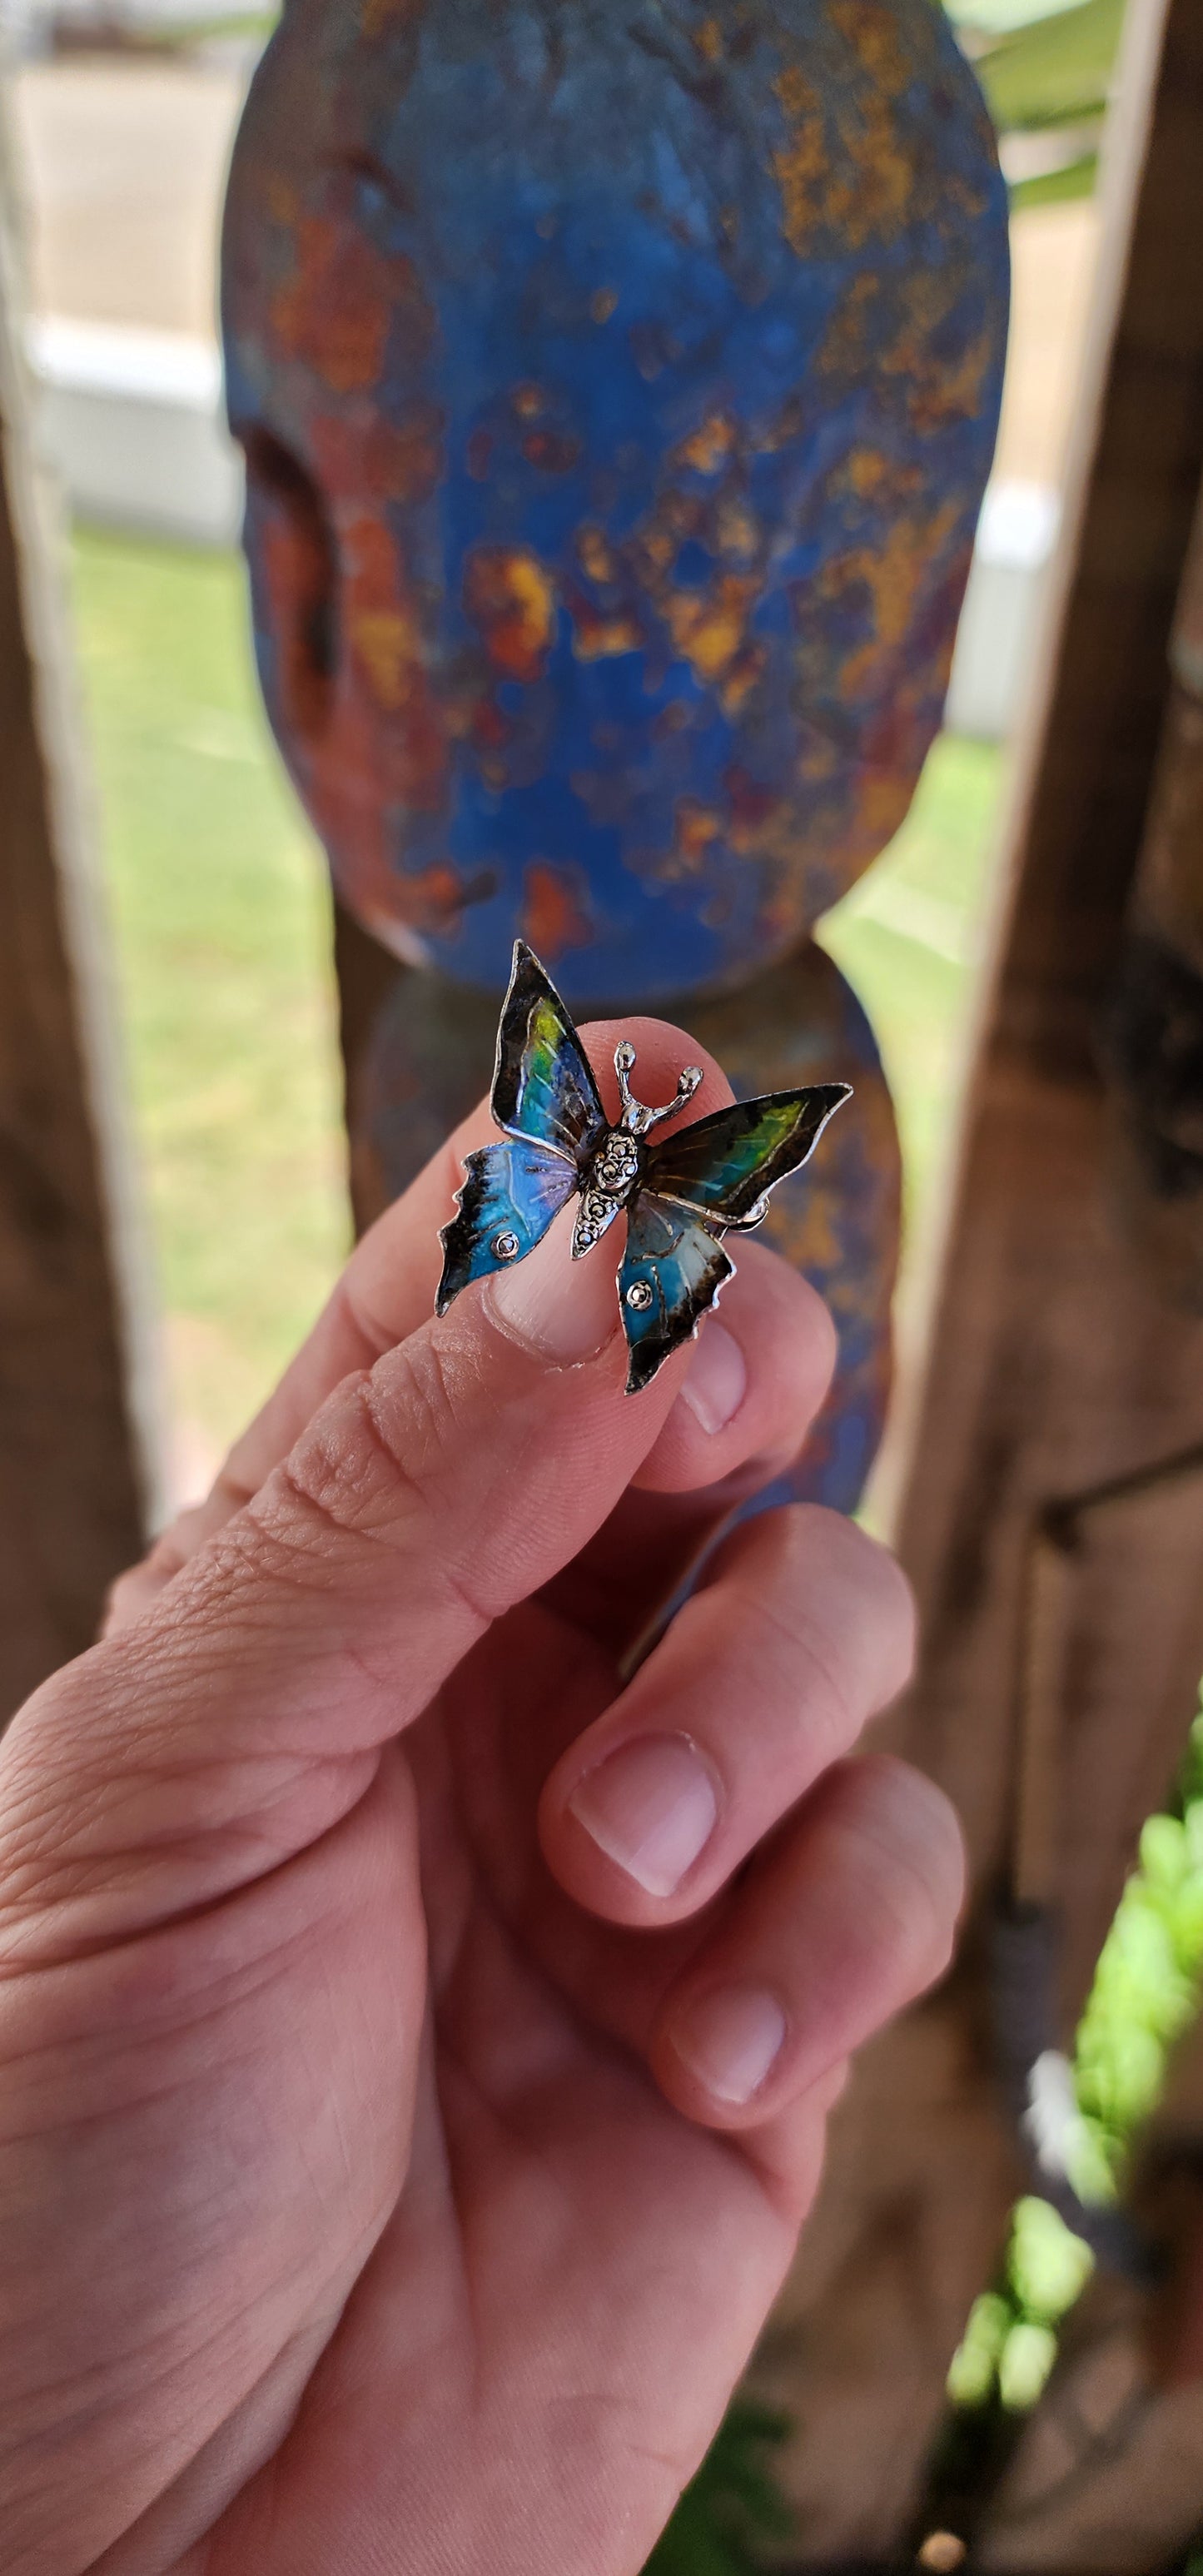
(1053, 1366)
(73, 1472)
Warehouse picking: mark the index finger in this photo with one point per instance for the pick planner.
(385, 1292)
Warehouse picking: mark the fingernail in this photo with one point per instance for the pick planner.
(718, 1377)
(729, 2040)
(562, 1310)
(651, 1808)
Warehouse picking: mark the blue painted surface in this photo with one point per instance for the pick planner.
(571, 243)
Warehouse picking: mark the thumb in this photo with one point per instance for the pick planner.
(245, 1712)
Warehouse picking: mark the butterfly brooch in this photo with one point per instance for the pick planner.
(679, 1196)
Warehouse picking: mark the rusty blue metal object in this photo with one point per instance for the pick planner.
(618, 391)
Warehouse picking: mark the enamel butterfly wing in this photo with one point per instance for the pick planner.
(679, 1196)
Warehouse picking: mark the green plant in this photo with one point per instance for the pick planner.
(1047, 75)
(1147, 1986)
(733, 2506)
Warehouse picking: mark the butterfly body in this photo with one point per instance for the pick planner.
(679, 1196)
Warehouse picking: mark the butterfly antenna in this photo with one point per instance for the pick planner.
(635, 1115)
(624, 1058)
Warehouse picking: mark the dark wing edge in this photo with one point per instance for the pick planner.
(556, 1101)
(671, 1252)
(516, 1188)
(723, 1164)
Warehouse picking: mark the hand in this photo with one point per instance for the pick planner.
(415, 2038)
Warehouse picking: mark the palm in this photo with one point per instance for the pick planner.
(351, 2223)
(570, 2273)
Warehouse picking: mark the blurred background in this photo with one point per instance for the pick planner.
(121, 121)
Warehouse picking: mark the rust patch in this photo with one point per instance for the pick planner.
(555, 912)
(511, 599)
(707, 448)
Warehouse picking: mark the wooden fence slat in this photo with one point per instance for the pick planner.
(76, 1483)
(1053, 1365)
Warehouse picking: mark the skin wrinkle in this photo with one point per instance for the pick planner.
(932, 1954)
(129, 1796)
(803, 1633)
(113, 1939)
(160, 2372)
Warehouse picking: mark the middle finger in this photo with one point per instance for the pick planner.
(765, 1678)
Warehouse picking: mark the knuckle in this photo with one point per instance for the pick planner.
(912, 1850)
(373, 1472)
(839, 1603)
(865, 1597)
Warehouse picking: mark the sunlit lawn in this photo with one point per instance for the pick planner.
(222, 941)
(222, 937)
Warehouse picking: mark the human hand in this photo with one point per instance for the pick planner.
(414, 2039)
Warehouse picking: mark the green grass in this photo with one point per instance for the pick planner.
(908, 937)
(218, 904)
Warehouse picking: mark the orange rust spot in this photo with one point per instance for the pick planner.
(595, 635)
(387, 644)
(602, 304)
(865, 471)
(550, 451)
(296, 577)
(338, 308)
(554, 909)
(511, 598)
(372, 458)
(737, 530)
(659, 545)
(936, 391)
(708, 447)
(696, 826)
(954, 394)
(383, 632)
(889, 578)
(739, 681)
(489, 727)
(874, 35)
(707, 627)
(848, 167)
(753, 808)
(708, 39)
(594, 554)
(528, 401)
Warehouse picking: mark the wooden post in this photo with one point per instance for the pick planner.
(75, 1444)
(1054, 1364)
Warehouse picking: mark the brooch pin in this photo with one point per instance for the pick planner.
(679, 1196)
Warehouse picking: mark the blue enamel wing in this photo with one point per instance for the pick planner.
(680, 1196)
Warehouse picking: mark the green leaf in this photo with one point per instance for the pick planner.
(1057, 187)
(1164, 1853)
(731, 2504)
(1027, 2358)
(974, 2364)
(1056, 71)
(1049, 2266)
